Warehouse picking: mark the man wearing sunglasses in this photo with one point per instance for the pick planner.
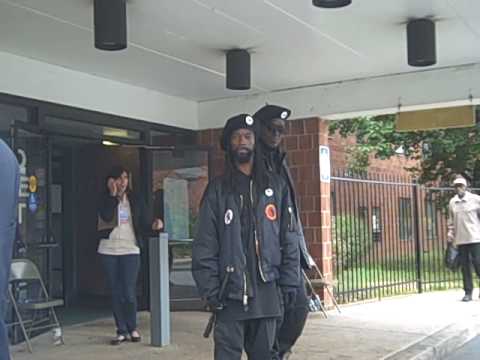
(273, 121)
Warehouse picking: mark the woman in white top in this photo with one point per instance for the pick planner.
(122, 220)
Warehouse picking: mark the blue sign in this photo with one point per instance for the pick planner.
(32, 202)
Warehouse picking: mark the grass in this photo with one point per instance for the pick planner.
(395, 276)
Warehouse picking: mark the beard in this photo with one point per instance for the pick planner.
(242, 157)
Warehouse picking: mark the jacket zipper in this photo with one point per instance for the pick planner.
(245, 293)
(257, 243)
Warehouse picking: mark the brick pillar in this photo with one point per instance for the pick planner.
(326, 263)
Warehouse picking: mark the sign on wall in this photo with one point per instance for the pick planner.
(324, 156)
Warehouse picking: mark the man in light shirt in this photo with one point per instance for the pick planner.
(464, 231)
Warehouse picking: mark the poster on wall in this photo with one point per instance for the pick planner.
(176, 208)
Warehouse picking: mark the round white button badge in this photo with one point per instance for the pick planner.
(269, 192)
(228, 216)
(249, 120)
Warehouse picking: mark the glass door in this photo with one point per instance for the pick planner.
(179, 178)
(34, 240)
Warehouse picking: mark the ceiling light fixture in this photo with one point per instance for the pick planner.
(331, 4)
(238, 69)
(421, 42)
(110, 21)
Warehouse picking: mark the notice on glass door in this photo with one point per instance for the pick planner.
(176, 208)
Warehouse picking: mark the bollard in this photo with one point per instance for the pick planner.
(159, 291)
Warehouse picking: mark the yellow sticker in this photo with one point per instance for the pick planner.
(32, 184)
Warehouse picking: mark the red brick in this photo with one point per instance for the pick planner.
(305, 142)
(311, 125)
(312, 188)
(307, 203)
(291, 142)
(314, 219)
(296, 127)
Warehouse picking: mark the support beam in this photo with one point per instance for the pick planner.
(440, 87)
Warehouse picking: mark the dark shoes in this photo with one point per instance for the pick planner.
(118, 340)
(135, 336)
(467, 297)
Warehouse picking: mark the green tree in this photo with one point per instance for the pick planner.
(440, 154)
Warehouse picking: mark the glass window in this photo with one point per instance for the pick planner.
(376, 224)
(405, 218)
(8, 115)
(84, 129)
(179, 180)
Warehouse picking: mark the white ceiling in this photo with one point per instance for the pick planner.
(176, 46)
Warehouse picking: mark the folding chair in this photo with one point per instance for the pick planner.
(324, 283)
(23, 271)
(315, 303)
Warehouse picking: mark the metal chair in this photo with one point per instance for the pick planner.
(25, 272)
(321, 281)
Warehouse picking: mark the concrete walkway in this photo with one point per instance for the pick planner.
(425, 326)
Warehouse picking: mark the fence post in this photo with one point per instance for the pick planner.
(418, 250)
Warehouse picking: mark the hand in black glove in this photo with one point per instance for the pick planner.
(289, 296)
(213, 304)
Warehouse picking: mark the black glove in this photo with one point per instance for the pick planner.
(289, 296)
(214, 304)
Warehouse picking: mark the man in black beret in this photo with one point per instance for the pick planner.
(245, 258)
(272, 120)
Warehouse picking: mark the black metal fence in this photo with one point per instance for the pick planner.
(389, 236)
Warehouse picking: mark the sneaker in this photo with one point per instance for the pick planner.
(467, 297)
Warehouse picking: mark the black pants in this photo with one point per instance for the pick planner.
(293, 322)
(122, 272)
(256, 336)
(469, 253)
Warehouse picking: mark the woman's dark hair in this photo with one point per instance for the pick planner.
(115, 172)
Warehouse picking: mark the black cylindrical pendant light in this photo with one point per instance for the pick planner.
(238, 69)
(110, 21)
(421, 43)
(331, 4)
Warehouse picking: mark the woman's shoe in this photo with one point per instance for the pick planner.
(118, 340)
(135, 336)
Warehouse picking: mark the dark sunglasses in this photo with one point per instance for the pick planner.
(276, 129)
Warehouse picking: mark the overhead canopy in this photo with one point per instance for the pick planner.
(177, 48)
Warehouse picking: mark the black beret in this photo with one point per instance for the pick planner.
(242, 121)
(270, 112)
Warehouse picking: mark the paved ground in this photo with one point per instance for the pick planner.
(469, 351)
(426, 326)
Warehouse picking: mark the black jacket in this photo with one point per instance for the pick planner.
(107, 218)
(218, 244)
(277, 163)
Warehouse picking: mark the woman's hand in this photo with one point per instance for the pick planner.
(157, 225)
(112, 186)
